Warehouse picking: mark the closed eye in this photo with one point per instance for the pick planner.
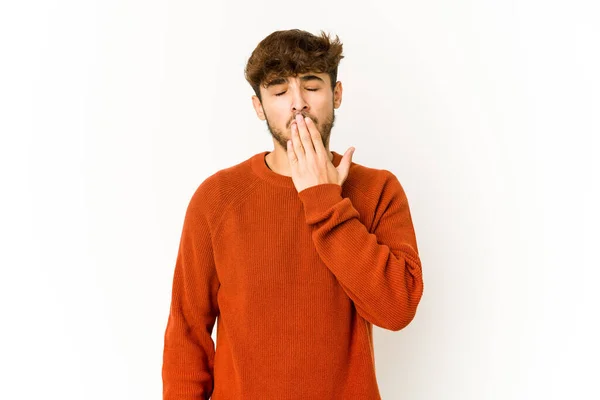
(312, 90)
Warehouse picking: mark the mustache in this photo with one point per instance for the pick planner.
(303, 115)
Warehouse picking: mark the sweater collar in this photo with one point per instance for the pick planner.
(262, 170)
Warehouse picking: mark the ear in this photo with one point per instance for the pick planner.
(337, 94)
(258, 107)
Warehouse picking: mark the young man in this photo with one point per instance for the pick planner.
(299, 251)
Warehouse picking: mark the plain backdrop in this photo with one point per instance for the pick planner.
(113, 112)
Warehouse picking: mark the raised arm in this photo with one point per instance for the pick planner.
(379, 270)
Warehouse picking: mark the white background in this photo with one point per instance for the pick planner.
(113, 112)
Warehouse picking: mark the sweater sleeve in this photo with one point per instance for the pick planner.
(189, 350)
(379, 271)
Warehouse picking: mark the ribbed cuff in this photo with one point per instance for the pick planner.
(318, 199)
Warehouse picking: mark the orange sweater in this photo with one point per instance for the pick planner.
(296, 280)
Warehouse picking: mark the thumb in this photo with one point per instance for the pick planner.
(345, 163)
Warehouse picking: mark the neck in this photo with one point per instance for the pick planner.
(277, 161)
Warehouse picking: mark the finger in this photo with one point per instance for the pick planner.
(297, 143)
(291, 153)
(344, 166)
(317, 140)
(309, 149)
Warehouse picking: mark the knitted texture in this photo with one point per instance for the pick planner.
(297, 281)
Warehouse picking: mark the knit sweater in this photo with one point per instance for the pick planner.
(297, 281)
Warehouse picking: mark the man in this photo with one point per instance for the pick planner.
(298, 251)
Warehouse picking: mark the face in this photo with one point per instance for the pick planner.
(308, 94)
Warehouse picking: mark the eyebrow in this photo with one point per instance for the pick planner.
(305, 78)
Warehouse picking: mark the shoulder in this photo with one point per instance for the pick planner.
(222, 189)
(372, 182)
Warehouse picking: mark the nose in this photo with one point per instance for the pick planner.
(299, 104)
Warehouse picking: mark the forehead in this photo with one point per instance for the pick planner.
(306, 77)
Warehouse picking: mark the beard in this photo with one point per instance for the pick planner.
(324, 128)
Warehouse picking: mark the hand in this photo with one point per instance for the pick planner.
(309, 160)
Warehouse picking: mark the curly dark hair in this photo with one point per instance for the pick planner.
(292, 52)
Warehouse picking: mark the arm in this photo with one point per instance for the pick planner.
(380, 271)
(189, 350)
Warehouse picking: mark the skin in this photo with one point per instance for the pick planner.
(301, 146)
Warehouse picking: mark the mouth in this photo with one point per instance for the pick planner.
(294, 120)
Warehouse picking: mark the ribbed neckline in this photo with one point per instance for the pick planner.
(262, 170)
